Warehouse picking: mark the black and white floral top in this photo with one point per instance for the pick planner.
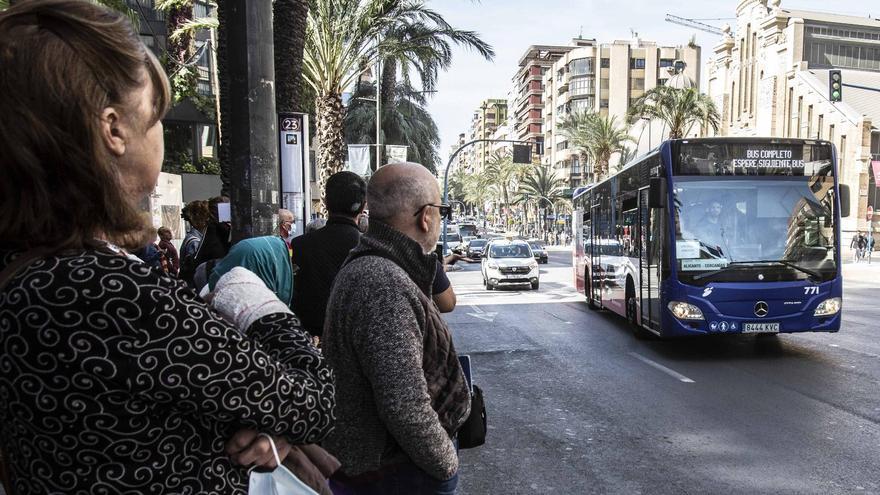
(115, 379)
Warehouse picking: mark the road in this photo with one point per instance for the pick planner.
(576, 404)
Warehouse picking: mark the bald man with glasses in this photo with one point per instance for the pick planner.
(401, 393)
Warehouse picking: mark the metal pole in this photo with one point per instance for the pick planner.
(378, 107)
(253, 137)
(449, 164)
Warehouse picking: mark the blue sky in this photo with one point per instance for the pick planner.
(512, 25)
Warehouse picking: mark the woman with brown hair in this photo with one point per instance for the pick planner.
(113, 377)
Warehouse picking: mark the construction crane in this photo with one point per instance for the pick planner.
(695, 23)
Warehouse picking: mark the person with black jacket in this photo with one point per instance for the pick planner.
(318, 255)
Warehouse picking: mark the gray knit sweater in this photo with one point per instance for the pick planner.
(400, 391)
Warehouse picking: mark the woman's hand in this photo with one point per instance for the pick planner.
(249, 448)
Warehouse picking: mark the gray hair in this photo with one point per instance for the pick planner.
(315, 225)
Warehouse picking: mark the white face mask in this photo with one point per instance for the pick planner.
(290, 233)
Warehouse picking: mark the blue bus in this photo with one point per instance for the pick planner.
(716, 236)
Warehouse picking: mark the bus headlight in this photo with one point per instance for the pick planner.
(685, 311)
(828, 307)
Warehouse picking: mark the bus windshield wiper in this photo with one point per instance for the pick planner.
(813, 274)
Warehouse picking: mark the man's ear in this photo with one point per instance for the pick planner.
(111, 131)
(424, 220)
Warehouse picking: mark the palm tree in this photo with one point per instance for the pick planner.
(289, 31)
(543, 183)
(477, 190)
(406, 121)
(504, 174)
(596, 137)
(575, 127)
(424, 47)
(344, 37)
(679, 109)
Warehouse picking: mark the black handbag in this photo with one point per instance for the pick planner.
(473, 432)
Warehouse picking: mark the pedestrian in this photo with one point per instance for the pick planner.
(856, 245)
(166, 247)
(401, 392)
(315, 224)
(266, 257)
(120, 380)
(198, 216)
(286, 227)
(218, 235)
(318, 255)
(869, 246)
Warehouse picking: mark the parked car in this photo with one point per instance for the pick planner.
(475, 248)
(509, 263)
(540, 252)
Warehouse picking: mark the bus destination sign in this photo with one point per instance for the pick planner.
(768, 159)
(751, 159)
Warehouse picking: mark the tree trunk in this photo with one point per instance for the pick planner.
(389, 81)
(330, 140)
(290, 37)
(223, 154)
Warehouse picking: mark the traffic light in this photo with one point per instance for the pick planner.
(522, 153)
(835, 86)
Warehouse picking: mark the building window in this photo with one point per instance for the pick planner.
(666, 62)
(732, 95)
(636, 63)
(637, 83)
(809, 121)
(831, 133)
(603, 103)
(582, 86)
(842, 151)
(821, 123)
(800, 113)
(790, 119)
(581, 67)
(827, 47)
(605, 63)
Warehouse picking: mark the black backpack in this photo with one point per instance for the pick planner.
(188, 263)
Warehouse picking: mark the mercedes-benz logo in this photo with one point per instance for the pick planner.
(761, 309)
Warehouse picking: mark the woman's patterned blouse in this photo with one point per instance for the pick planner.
(116, 379)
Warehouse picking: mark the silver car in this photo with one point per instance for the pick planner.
(509, 263)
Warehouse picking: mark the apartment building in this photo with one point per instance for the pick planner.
(607, 78)
(190, 126)
(489, 115)
(769, 77)
(528, 94)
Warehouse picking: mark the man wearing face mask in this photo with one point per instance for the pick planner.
(286, 227)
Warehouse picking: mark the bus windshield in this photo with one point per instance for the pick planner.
(773, 211)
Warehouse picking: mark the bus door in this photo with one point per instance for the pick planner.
(597, 275)
(648, 283)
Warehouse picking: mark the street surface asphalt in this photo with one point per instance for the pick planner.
(576, 404)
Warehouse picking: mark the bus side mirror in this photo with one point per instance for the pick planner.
(844, 201)
(657, 193)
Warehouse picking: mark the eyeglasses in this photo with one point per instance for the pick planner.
(445, 210)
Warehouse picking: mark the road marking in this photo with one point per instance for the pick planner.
(559, 318)
(483, 315)
(678, 376)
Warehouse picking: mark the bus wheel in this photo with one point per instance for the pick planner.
(632, 311)
(588, 283)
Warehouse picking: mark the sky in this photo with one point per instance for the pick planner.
(511, 26)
